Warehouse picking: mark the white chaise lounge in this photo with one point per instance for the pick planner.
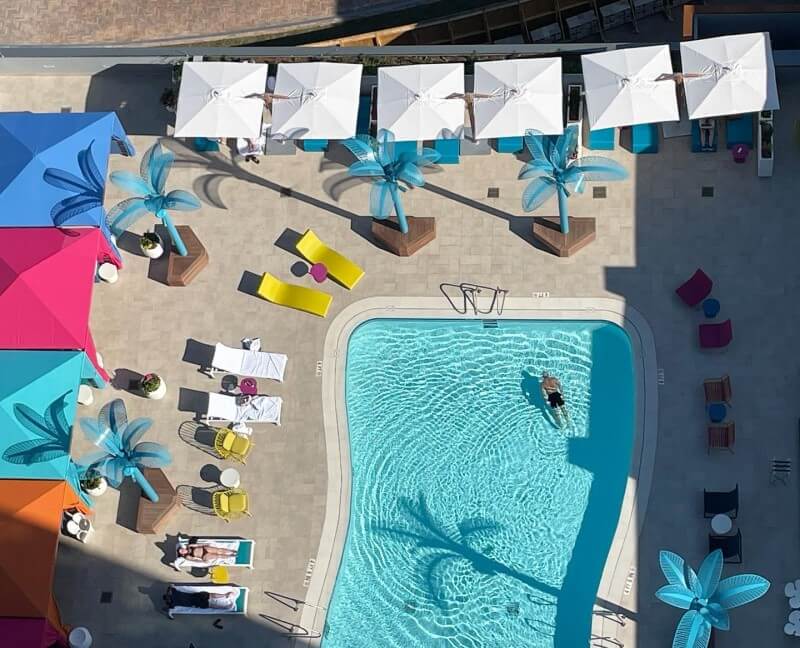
(238, 596)
(242, 547)
(238, 409)
(242, 362)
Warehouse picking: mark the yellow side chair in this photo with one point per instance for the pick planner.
(230, 504)
(230, 445)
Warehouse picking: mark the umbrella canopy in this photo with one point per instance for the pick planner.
(38, 397)
(525, 94)
(46, 283)
(322, 103)
(53, 167)
(31, 633)
(221, 100)
(737, 75)
(30, 518)
(622, 90)
(422, 102)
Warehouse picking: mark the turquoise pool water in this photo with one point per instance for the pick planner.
(475, 521)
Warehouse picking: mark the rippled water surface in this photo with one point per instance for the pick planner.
(475, 521)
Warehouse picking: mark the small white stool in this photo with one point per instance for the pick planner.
(108, 272)
(230, 478)
(80, 638)
(85, 395)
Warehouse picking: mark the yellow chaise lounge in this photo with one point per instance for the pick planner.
(305, 299)
(339, 266)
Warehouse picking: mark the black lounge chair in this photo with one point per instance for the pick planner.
(715, 502)
(731, 546)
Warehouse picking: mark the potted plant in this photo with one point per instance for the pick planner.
(93, 483)
(151, 245)
(153, 386)
(169, 99)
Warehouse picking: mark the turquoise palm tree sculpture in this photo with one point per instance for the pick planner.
(392, 172)
(121, 455)
(87, 190)
(705, 598)
(148, 188)
(551, 171)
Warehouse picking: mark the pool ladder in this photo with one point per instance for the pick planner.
(469, 295)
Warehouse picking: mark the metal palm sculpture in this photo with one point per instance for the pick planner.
(122, 455)
(552, 172)
(391, 173)
(87, 190)
(706, 598)
(148, 188)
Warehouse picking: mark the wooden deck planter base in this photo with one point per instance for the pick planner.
(421, 231)
(547, 231)
(182, 270)
(151, 516)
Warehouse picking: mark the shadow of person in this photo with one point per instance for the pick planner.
(531, 387)
(167, 547)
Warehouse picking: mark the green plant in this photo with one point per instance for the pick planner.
(149, 241)
(150, 383)
(91, 480)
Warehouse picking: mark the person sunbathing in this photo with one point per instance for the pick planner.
(203, 600)
(204, 552)
(551, 390)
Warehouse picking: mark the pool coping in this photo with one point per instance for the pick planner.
(620, 569)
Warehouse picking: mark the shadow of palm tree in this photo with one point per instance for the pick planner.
(461, 544)
(50, 429)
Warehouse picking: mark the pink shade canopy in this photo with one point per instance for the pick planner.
(29, 633)
(46, 283)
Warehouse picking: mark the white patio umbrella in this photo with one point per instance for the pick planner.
(221, 100)
(316, 100)
(729, 75)
(517, 95)
(422, 102)
(622, 87)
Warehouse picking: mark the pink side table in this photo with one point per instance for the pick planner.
(319, 271)
(248, 386)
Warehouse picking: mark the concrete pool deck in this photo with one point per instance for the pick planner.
(623, 551)
(653, 231)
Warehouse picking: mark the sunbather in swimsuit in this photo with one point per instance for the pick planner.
(204, 552)
(203, 600)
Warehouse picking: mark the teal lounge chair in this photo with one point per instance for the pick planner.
(205, 145)
(508, 144)
(449, 149)
(602, 139)
(364, 114)
(644, 138)
(409, 147)
(696, 145)
(315, 145)
(739, 130)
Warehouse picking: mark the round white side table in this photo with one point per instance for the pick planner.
(230, 478)
(108, 272)
(721, 524)
(80, 638)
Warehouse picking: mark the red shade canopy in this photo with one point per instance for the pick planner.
(46, 283)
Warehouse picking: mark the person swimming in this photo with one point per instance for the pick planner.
(552, 392)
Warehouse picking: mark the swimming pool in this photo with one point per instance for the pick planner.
(474, 521)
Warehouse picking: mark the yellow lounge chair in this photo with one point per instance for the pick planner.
(230, 504)
(305, 299)
(339, 267)
(230, 445)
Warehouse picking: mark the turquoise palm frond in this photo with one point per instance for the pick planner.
(537, 193)
(598, 169)
(709, 573)
(132, 183)
(86, 191)
(363, 150)
(672, 566)
(693, 631)
(181, 200)
(739, 590)
(676, 595)
(365, 168)
(717, 616)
